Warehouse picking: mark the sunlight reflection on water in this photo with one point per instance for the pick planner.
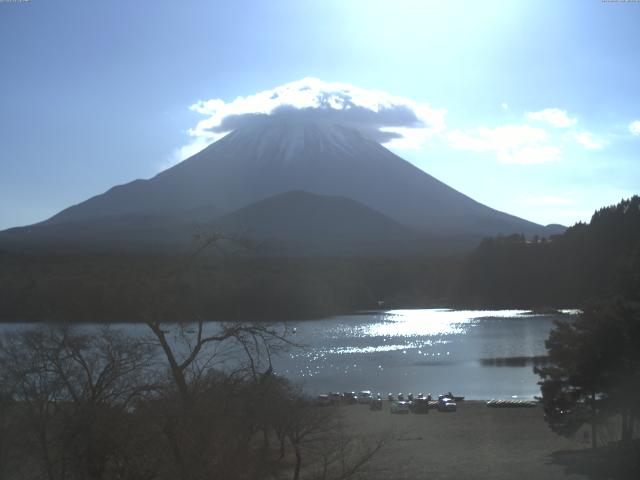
(420, 350)
(418, 323)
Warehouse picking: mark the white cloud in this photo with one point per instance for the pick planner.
(521, 144)
(505, 106)
(531, 155)
(588, 140)
(397, 121)
(554, 117)
(634, 127)
(499, 138)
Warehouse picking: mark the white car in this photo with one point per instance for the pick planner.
(446, 404)
(400, 407)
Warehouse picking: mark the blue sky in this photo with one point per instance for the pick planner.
(537, 99)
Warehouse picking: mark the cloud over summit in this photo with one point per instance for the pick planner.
(397, 122)
(379, 115)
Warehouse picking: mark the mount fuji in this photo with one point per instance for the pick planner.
(271, 156)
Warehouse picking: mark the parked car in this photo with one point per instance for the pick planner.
(420, 405)
(376, 403)
(349, 398)
(446, 404)
(390, 397)
(400, 407)
(324, 400)
(455, 398)
(365, 397)
(400, 397)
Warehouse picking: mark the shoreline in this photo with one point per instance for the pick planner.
(289, 318)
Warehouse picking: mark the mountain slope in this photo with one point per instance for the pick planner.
(298, 222)
(137, 232)
(289, 224)
(277, 156)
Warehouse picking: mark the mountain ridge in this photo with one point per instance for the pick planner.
(276, 156)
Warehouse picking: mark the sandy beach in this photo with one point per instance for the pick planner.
(474, 442)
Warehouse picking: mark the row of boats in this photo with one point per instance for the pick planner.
(399, 403)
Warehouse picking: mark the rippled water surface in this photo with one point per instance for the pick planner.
(428, 351)
(416, 351)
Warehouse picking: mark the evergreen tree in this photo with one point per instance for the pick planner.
(594, 369)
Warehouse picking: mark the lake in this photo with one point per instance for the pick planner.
(428, 351)
(475, 353)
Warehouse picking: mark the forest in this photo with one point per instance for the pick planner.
(593, 372)
(590, 261)
(120, 287)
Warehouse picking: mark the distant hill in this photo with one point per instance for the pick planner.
(302, 223)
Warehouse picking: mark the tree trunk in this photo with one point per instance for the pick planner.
(170, 431)
(46, 457)
(176, 370)
(594, 440)
(282, 440)
(627, 426)
(296, 472)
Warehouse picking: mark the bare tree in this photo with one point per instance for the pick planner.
(321, 436)
(197, 346)
(71, 391)
(244, 397)
(9, 429)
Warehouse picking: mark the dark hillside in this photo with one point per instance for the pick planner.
(122, 287)
(594, 260)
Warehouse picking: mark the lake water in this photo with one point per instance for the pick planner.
(429, 351)
(418, 351)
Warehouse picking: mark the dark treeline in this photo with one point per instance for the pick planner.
(41, 286)
(589, 261)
